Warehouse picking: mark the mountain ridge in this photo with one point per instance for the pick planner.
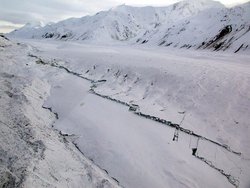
(198, 24)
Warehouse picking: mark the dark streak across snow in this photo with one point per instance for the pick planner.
(234, 181)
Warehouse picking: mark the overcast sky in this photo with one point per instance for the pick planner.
(15, 13)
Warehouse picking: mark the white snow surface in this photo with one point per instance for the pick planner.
(32, 153)
(125, 49)
(136, 151)
(207, 93)
(196, 24)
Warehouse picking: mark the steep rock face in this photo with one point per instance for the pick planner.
(198, 24)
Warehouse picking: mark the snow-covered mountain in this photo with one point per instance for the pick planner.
(198, 24)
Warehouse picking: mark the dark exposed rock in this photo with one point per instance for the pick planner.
(7, 180)
(48, 35)
(162, 43)
(1, 35)
(169, 44)
(226, 30)
(239, 48)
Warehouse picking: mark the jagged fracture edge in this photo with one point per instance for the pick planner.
(132, 107)
(65, 139)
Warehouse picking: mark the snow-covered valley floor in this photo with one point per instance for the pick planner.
(206, 93)
(135, 151)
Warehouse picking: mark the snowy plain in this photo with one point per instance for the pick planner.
(207, 93)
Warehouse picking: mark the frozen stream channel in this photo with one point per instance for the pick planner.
(137, 152)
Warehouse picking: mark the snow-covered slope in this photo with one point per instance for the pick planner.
(197, 24)
(32, 153)
(204, 92)
(28, 29)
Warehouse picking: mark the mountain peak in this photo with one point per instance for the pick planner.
(34, 24)
(124, 7)
(121, 7)
(201, 4)
(188, 23)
